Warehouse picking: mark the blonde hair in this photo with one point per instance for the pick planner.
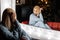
(36, 7)
(6, 17)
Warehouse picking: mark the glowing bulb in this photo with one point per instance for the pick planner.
(45, 2)
(17, 1)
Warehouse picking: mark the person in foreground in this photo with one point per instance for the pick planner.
(10, 28)
(36, 18)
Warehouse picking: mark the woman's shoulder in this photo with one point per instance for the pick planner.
(32, 15)
(1, 25)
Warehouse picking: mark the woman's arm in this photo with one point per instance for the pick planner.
(22, 33)
(25, 36)
(42, 25)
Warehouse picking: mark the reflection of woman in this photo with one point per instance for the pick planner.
(36, 18)
(10, 27)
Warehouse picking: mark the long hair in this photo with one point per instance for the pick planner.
(6, 17)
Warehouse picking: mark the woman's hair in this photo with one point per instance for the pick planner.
(6, 17)
(36, 7)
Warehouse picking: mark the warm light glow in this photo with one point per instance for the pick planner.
(45, 2)
(42, 0)
(17, 1)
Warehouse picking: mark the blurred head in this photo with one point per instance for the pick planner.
(7, 17)
(36, 10)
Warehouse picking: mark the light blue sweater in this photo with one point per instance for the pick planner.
(38, 21)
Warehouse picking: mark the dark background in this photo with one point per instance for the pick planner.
(51, 13)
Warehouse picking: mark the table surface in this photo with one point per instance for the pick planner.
(40, 33)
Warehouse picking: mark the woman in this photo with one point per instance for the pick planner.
(10, 28)
(36, 18)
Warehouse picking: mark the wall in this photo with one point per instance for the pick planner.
(6, 4)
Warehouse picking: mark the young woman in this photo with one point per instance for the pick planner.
(36, 18)
(10, 27)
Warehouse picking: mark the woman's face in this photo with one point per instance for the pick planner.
(36, 11)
